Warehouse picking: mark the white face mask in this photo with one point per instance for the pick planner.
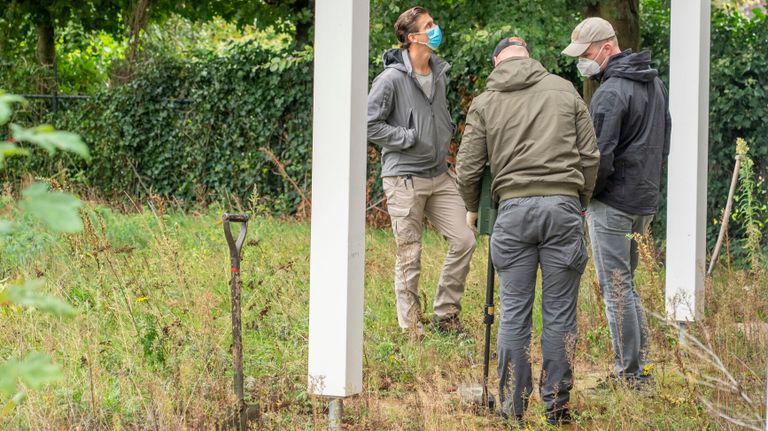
(588, 67)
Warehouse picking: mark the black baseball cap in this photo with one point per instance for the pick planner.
(507, 42)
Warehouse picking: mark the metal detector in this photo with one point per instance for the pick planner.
(479, 394)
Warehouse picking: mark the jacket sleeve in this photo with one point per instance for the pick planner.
(380, 105)
(667, 132)
(607, 112)
(472, 158)
(586, 143)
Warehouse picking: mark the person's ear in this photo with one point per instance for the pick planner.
(495, 61)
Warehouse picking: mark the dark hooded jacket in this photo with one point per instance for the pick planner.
(630, 112)
(534, 130)
(413, 130)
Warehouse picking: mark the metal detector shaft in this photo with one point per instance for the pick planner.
(235, 249)
(488, 320)
(486, 219)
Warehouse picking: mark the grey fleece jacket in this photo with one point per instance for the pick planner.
(413, 130)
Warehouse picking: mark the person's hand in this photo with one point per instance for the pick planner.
(472, 220)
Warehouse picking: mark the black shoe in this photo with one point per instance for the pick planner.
(512, 422)
(609, 383)
(613, 382)
(559, 417)
(449, 325)
(645, 385)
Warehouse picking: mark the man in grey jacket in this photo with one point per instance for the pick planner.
(630, 112)
(408, 118)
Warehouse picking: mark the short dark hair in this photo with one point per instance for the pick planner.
(504, 44)
(406, 24)
(507, 42)
(614, 39)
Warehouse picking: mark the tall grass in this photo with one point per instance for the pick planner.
(150, 346)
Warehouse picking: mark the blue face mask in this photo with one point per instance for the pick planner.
(435, 37)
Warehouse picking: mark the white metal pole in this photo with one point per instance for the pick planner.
(337, 258)
(687, 179)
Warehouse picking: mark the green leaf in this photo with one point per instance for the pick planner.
(12, 403)
(6, 100)
(8, 377)
(8, 149)
(30, 295)
(49, 139)
(35, 371)
(58, 210)
(6, 227)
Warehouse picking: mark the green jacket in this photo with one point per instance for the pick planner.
(534, 130)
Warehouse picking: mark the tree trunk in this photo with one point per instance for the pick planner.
(302, 34)
(303, 27)
(46, 46)
(624, 16)
(138, 16)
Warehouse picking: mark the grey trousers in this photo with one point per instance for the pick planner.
(533, 232)
(616, 257)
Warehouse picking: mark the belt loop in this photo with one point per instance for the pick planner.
(408, 178)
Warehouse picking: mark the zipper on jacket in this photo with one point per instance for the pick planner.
(429, 102)
(434, 133)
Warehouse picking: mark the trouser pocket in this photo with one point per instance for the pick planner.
(577, 255)
(400, 204)
(397, 215)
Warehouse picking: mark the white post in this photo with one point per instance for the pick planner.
(687, 180)
(338, 198)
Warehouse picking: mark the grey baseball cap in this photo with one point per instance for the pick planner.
(588, 31)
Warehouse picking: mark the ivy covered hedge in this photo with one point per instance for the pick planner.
(195, 129)
(738, 107)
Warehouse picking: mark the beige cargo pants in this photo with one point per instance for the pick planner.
(409, 199)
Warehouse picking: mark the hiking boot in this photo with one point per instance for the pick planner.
(609, 383)
(645, 385)
(449, 325)
(415, 332)
(559, 417)
(612, 382)
(512, 422)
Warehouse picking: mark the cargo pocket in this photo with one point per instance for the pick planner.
(397, 215)
(399, 201)
(577, 256)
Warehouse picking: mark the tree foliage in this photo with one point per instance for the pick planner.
(22, 21)
(252, 96)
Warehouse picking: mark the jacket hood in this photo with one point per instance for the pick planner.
(629, 65)
(397, 58)
(516, 73)
(393, 58)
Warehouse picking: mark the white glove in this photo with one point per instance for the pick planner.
(472, 220)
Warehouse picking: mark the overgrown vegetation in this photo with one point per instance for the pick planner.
(149, 347)
(193, 122)
(51, 211)
(221, 112)
(738, 91)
